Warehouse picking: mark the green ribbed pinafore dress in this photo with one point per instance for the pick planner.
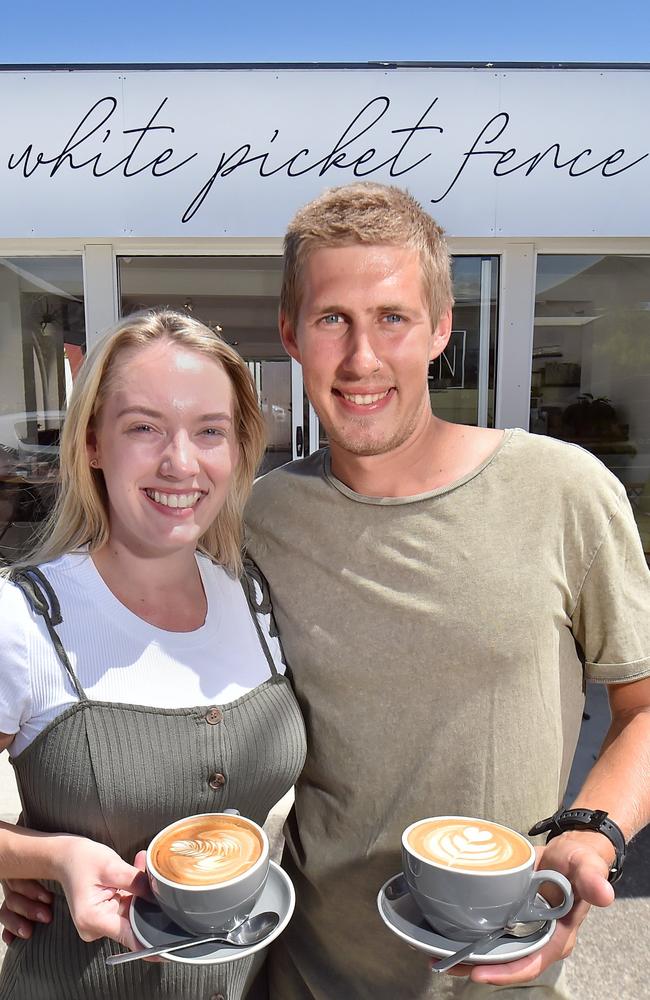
(117, 774)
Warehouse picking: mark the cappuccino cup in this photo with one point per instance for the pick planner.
(208, 871)
(470, 876)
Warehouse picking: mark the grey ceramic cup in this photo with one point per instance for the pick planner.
(217, 907)
(463, 904)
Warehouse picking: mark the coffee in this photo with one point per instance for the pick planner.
(469, 844)
(206, 850)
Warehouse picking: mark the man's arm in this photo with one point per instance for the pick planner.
(618, 783)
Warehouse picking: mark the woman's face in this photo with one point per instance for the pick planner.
(165, 442)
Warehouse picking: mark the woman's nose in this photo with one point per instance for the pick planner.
(180, 457)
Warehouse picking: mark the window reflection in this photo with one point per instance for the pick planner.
(461, 380)
(238, 298)
(43, 339)
(591, 364)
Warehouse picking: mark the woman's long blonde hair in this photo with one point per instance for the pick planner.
(80, 515)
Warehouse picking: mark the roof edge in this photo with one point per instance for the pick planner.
(377, 64)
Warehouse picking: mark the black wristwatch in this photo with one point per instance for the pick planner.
(585, 819)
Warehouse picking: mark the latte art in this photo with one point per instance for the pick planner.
(473, 845)
(212, 851)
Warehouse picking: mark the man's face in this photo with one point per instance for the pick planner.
(364, 340)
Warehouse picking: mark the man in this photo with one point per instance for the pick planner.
(440, 591)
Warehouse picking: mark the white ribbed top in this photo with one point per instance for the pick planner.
(117, 656)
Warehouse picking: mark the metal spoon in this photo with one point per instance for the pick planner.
(252, 931)
(515, 929)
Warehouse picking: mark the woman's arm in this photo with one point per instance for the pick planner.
(97, 883)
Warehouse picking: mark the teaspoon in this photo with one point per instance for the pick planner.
(252, 931)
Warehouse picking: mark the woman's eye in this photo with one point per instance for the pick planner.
(214, 432)
(142, 428)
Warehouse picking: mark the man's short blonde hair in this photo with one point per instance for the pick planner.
(374, 214)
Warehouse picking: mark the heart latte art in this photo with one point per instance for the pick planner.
(206, 851)
(473, 845)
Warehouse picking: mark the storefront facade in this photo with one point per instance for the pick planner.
(122, 188)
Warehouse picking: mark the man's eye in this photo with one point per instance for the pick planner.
(393, 318)
(332, 319)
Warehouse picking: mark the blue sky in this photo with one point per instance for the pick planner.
(336, 30)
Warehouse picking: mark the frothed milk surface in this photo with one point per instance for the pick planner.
(469, 844)
(207, 850)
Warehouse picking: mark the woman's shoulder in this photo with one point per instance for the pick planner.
(66, 573)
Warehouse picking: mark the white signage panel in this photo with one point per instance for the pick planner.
(205, 153)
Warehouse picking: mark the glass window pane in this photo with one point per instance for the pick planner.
(238, 297)
(591, 364)
(470, 356)
(43, 340)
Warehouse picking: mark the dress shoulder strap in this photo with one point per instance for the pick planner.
(259, 606)
(42, 599)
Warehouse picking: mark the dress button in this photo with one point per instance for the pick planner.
(213, 716)
(217, 781)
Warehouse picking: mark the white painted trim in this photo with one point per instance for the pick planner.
(515, 336)
(484, 342)
(100, 290)
(314, 430)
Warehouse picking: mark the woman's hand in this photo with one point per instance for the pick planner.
(27, 902)
(98, 886)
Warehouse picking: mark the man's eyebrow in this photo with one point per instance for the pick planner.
(326, 310)
(144, 411)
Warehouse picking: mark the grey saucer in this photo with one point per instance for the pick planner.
(398, 910)
(152, 927)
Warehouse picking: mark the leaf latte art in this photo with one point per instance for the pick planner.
(208, 854)
(474, 845)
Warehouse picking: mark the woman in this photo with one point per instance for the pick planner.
(135, 684)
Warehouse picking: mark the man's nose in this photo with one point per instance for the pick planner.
(361, 356)
(180, 458)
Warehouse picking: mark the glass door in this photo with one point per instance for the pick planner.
(237, 297)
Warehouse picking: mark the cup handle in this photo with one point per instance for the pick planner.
(532, 910)
(232, 812)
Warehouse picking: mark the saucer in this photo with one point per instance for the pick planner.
(402, 916)
(152, 927)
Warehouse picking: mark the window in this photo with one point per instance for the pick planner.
(43, 339)
(591, 364)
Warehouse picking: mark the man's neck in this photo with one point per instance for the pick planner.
(441, 454)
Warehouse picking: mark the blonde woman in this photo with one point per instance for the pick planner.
(118, 634)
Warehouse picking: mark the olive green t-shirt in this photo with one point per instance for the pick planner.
(437, 646)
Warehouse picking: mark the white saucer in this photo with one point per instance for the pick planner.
(400, 913)
(152, 927)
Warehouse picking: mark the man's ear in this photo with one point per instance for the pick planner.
(441, 335)
(288, 337)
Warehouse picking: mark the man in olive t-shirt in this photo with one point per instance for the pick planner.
(440, 591)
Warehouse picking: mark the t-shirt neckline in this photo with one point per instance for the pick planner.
(139, 627)
(508, 434)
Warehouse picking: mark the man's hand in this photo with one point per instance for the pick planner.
(26, 902)
(585, 858)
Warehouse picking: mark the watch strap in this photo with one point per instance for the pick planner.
(585, 819)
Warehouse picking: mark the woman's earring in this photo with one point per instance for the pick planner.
(94, 463)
